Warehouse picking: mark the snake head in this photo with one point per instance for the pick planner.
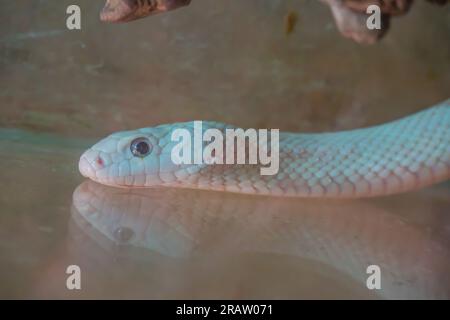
(137, 158)
(128, 10)
(126, 159)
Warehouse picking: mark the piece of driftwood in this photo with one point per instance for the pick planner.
(350, 15)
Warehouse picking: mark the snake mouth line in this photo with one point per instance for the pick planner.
(85, 167)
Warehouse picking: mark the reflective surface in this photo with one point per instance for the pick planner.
(60, 91)
(331, 242)
(175, 243)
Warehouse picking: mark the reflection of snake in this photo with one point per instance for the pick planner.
(345, 235)
(395, 157)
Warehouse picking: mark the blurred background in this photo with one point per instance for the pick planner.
(232, 62)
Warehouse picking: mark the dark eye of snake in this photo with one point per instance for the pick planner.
(140, 147)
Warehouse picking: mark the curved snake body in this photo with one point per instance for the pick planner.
(399, 156)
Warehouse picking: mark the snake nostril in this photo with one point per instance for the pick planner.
(99, 161)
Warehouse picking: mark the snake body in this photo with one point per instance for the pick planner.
(395, 157)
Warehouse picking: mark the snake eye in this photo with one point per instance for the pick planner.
(140, 147)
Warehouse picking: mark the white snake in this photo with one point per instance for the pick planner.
(399, 156)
